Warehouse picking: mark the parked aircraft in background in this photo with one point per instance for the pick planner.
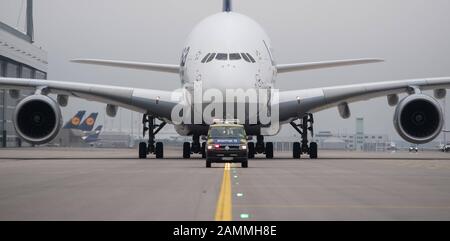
(93, 137)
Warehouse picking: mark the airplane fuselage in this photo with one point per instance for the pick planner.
(226, 51)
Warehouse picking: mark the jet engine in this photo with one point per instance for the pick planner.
(418, 118)
(37, 119)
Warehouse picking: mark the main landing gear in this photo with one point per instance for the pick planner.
(260, 148)
(305, 125)
(195, 147)
(149, 125)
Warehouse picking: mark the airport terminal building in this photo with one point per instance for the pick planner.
(19, 58)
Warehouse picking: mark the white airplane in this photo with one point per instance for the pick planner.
(229, 51)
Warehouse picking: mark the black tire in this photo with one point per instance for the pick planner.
(142, 150)
(208, 164)
(186, 150)
(204, 150)
(159, 150)
(313, 150)
(251, 150)
(269, 150)
(296, 150)
(244, 164)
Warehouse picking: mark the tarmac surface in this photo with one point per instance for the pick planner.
(112, 184)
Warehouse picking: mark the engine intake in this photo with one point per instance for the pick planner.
(418, 118)
(37, 119)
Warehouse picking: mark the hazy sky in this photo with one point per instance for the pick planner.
(413, 36)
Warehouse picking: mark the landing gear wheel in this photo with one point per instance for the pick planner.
(159, 150)
(150, 126)
(269, 150)
(313, 150)
(296, 151)
(142, 150)
(251, 150)
(305, 126)
(204, 150)
(244, 164)
(208, 164)
(186, 150)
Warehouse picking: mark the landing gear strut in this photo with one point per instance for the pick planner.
(195, 147)
(305, 125)
(157, 148)
(260, 147)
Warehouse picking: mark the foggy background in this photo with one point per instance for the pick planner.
(411, 35)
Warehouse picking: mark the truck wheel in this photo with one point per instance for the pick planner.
(244, 164)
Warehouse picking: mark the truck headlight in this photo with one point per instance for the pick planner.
(243, 147)
(210, 147)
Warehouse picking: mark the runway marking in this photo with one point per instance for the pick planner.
(244, 216)
(343, 206)
(224, 203)
(435, 164)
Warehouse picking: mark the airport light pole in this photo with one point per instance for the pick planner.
(445, 131)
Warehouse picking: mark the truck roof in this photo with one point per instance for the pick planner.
(227, 125)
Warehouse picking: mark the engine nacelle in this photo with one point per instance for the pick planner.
(418, 118)
(37, 119)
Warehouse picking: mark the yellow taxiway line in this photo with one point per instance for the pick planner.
(224, 205)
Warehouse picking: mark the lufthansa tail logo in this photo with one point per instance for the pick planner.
(90, 121)
(75, 121)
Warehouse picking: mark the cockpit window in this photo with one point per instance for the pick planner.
(206, 58)
(235, 56)
(244, 56)
(211, 57)
(251, 58)
(225, 56)
(222, 56)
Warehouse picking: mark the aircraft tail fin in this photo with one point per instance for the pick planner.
(89, 122)
(75, 121)
(227, 5)
(94, 136)
(99, 128)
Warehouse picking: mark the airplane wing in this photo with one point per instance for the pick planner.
(168, 68)
(296, 103)
(154, 102)
(286, 68)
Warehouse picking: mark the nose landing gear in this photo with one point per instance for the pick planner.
(195, 147)
(305, 125)
(260, 147)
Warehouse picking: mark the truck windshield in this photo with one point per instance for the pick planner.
(227, 132)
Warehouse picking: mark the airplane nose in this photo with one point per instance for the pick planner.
(228, 77)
